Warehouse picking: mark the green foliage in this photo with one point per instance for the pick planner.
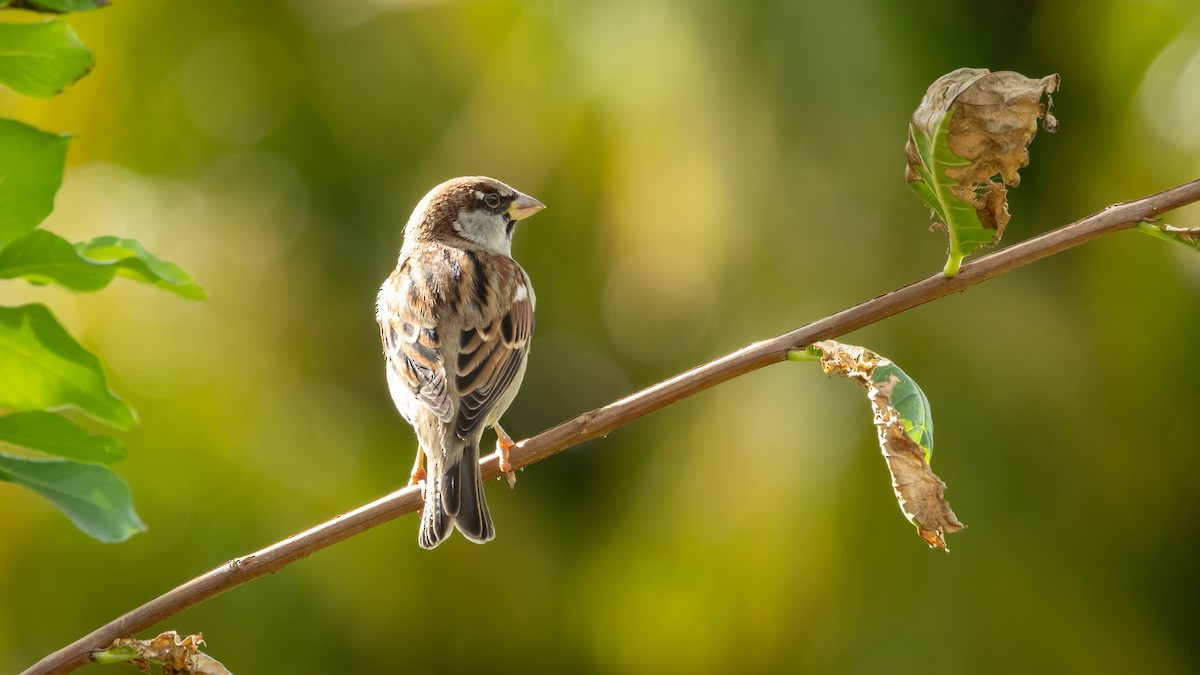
(52, 434)
(31, 170)
(42, 368)
(42, 257)
(128, 258)
(95, 499)
(40, 59)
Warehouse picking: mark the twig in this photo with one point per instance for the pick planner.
(601, 421)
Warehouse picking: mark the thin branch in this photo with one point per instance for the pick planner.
(601, 421)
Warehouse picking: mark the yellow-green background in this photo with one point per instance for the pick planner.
(717, 173)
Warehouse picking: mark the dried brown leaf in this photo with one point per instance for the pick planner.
(996, 120)
(992, 119)
(920, 493)
(178, 656)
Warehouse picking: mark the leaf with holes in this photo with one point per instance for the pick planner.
(966, 142)
(176, 654)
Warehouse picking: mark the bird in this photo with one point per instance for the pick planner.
(456, 318)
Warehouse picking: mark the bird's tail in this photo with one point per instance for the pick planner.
(454, 498)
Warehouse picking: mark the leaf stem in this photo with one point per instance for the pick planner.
(953, 261)
(809, 353)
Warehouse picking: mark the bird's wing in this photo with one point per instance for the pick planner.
(411, 340)
(493, 349)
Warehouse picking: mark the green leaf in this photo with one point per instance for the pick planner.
(31, 171)
(93, 497)
(42, 257)
(910, 402)
(42, 367)
(133, 261)
(58, 436)
(961, 220)
(41, 59)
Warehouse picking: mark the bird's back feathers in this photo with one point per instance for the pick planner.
(487, 350)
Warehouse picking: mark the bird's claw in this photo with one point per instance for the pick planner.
(417, 476)
(504, 443)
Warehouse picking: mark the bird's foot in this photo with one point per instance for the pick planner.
(417, 476)
(504, 443)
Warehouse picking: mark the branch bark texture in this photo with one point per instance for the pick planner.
(601, 421)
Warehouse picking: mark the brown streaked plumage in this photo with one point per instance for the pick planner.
(456, 317)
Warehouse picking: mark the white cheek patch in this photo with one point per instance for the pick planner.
(484, 229)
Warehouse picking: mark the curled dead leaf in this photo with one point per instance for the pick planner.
(178, 656)
(995, 122)
(967, 141)
(905, 440)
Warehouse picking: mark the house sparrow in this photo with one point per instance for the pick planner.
(456, 317)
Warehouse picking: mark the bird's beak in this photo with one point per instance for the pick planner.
(524, 206)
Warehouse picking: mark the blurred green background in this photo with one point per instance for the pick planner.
(717, 173)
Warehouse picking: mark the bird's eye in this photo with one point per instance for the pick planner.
(491, 200)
